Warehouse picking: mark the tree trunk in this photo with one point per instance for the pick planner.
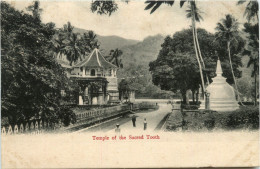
(197, 96)
(231, 67)
(198, 47)
(196, 52)
(183, 97)
(193, 96)
(187, 101)
(255, 83)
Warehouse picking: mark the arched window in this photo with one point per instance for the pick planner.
(92, 73)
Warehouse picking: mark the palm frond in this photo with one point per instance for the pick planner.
(182, 2)
(241, 2)
(194, 11)
(154, 5)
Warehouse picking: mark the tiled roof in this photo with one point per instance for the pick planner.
(95, 59)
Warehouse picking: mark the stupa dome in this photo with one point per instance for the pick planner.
(222, 95)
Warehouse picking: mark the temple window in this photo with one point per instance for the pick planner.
(92, 72)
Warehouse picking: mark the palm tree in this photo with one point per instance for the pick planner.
(253, 51)
(89, 42)
(193, 13)
(72, 48)
(58, 44)
(115, 58)
(36, 10)
(68, 28)
(227, 30)
(251, 11)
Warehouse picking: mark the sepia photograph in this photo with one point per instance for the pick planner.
(129, 84)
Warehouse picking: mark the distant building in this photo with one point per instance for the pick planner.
(97, 80)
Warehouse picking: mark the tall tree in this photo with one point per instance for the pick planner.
(251, 14)
(68, 29)
(176, 71)
(251, 11)
(31, 79)
(115, 57)
(195, 16)
(227, 29)
(194, 13)
(72, 48)
(58, 44)
(36, 10)
(252, 51)
(89, 42)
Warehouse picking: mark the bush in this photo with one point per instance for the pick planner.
(245, 117)
(67, 116)
(190, 107)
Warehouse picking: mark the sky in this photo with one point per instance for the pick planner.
(131, 21)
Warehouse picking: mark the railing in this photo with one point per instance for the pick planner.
(145, 105)
(32, 127)
(89, 114)
(85, 117)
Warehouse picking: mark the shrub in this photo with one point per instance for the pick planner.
(67, 116)
(245, 117)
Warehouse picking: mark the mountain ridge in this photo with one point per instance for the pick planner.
(109, 42)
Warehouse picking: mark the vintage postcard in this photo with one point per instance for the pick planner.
(129, 84)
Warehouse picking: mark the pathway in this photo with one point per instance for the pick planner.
(153, 118)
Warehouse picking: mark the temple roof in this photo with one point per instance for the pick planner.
(95, 59)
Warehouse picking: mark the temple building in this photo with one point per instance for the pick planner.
(97, 79)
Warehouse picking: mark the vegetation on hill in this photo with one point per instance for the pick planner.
(135, 72)
(109, 42)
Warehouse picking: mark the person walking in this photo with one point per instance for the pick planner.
(145, 124)
(117, 130)
(133, 120)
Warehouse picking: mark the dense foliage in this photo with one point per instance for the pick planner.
(244, 118)
(135, 59)
(31, 78)
(176, 68)
(74, 46)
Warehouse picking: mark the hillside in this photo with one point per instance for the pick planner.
(143, 52)
(136, 60)
(109, 42)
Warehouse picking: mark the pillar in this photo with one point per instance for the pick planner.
(112, 72)
(207, 103)
(100, 99)
(84, 72)
(80, 100)
(94, 101)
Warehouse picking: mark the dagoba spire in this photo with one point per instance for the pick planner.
(222, 96)
(219, 69)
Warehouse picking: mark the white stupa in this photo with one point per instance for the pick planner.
(222, 95)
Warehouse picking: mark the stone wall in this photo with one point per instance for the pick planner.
(84, 117)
